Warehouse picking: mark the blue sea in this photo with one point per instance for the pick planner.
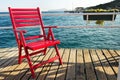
(91, 38)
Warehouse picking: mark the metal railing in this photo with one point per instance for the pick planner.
(71, 14)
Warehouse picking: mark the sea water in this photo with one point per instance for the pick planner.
(94, 38)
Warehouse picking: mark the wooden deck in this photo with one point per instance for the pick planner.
(78, 64)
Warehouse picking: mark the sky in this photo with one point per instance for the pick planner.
(46, 5)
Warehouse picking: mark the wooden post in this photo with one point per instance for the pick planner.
(113, 18)
(87, 18)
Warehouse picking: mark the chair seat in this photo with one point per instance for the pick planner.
(41, 44)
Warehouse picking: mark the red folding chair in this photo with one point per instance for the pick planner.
(26, 17)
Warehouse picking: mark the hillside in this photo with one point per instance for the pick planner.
(110, 5)
(115, 4)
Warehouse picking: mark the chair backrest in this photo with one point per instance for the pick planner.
(26, 17)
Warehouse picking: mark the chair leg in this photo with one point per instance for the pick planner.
(20, 55)
(45, 51)
(60, 60)
(30, 63)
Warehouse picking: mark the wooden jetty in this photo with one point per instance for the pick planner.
(78, 64)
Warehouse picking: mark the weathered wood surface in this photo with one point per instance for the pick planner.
(78, 64)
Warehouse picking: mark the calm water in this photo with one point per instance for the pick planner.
(102, 38)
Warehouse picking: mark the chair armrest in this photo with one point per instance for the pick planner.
(51, 27)
(50, 32)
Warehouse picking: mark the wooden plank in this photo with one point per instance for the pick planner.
(90, 74)
(107, 69)
(46, 68)
(6, 68)
(80, 73)
(14, 70)
(10, 49)
(12, 63)
(71, 65)
(6, 53)
(4, 62)
(5, 71)
(27, 74)
(39, 70)
(3, 50)
(89, 65)
(54, 67)
(7, 59)
(111, 61)
(98, 66)
(18, 71)
(23, 67)
(118, 52)
(114, 55)
(61, 74)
